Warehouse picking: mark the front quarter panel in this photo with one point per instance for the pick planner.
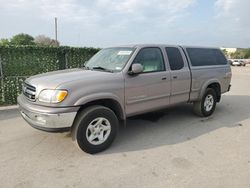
(108, 86)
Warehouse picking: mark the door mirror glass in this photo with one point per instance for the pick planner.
(136, 69)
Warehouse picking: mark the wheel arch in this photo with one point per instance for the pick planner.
(214, 84)
(107, 100)
(217, 88)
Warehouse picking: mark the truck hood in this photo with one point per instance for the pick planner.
(52, 80)
(78, 83)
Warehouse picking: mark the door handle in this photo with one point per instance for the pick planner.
(175, 77)
(163, 78)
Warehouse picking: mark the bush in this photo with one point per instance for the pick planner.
(19, 62)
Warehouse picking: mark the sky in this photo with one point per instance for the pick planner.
(104, 23)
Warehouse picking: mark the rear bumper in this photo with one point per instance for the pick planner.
(47, 118)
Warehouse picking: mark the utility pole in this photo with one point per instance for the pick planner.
(56, 29)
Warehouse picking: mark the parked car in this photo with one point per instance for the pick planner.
(242, 63)
(238, 63)
(121, 82)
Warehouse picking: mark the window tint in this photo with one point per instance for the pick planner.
(175, 59)
(151, 59)
(220, 58)
(205, 57)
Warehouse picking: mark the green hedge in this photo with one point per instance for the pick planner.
(19, 62)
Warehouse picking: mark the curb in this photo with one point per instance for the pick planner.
(12, 107)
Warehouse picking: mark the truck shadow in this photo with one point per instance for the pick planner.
(178, 124)
(9, 114)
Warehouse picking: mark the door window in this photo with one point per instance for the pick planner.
(151, 59)
(175, 59)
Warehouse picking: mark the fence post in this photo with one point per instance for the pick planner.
(2, 77)
(62, 59)
(66, 59)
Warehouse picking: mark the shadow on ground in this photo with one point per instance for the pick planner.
(168, 127)
(9, 114)
(178, 124)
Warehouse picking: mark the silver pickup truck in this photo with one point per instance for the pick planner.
(120, 82)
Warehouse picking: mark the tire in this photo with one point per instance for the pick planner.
(204, 108)
(95, 129)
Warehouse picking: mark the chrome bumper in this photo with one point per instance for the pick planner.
(47, 118)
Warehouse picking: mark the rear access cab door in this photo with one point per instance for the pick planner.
(180, 74)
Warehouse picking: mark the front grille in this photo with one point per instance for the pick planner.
(29, 91)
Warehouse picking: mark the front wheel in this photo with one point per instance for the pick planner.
(95, 129)
(207, 105)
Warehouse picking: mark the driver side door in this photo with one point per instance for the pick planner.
(150, 89)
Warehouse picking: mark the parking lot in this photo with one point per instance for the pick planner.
(173, 148)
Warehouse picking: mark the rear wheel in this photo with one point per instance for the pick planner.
(95, 129)
(207, 105)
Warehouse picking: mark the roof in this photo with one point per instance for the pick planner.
(162, 45)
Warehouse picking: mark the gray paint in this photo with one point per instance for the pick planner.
(135, 94)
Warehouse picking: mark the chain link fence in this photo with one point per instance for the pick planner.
(19, 62)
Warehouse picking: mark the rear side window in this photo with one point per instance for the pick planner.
(175, 59)
(206, 57)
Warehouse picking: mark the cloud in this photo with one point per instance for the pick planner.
(111, 18)
(234, 11)
(110, 22)
(105, 22)
(99, 10)
(232, 22)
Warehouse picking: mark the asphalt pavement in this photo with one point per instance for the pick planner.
(171, 148)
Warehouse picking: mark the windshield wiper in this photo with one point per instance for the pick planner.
(85, 67)
(102, 68)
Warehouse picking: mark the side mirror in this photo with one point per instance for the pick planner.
(136, 69)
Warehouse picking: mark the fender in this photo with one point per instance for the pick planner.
(100, 96)
(205, 85)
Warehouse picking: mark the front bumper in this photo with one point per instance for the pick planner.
(48, 119)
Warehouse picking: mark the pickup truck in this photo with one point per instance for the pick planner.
(120, 82)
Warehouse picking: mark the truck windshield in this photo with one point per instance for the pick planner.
(110, 59)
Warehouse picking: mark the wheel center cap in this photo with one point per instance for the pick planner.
(97, 130)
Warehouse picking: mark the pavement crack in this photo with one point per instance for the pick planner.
(38, 143)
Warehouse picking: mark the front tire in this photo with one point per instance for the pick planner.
(206, 106)
(95, 129)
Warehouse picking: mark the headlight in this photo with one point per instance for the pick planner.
(52, 96)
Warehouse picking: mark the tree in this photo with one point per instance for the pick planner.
(42, 40)
(241, 54)
(225, 52)
(4, 42)
(235, 55)
(22, 39)
(247, 55)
